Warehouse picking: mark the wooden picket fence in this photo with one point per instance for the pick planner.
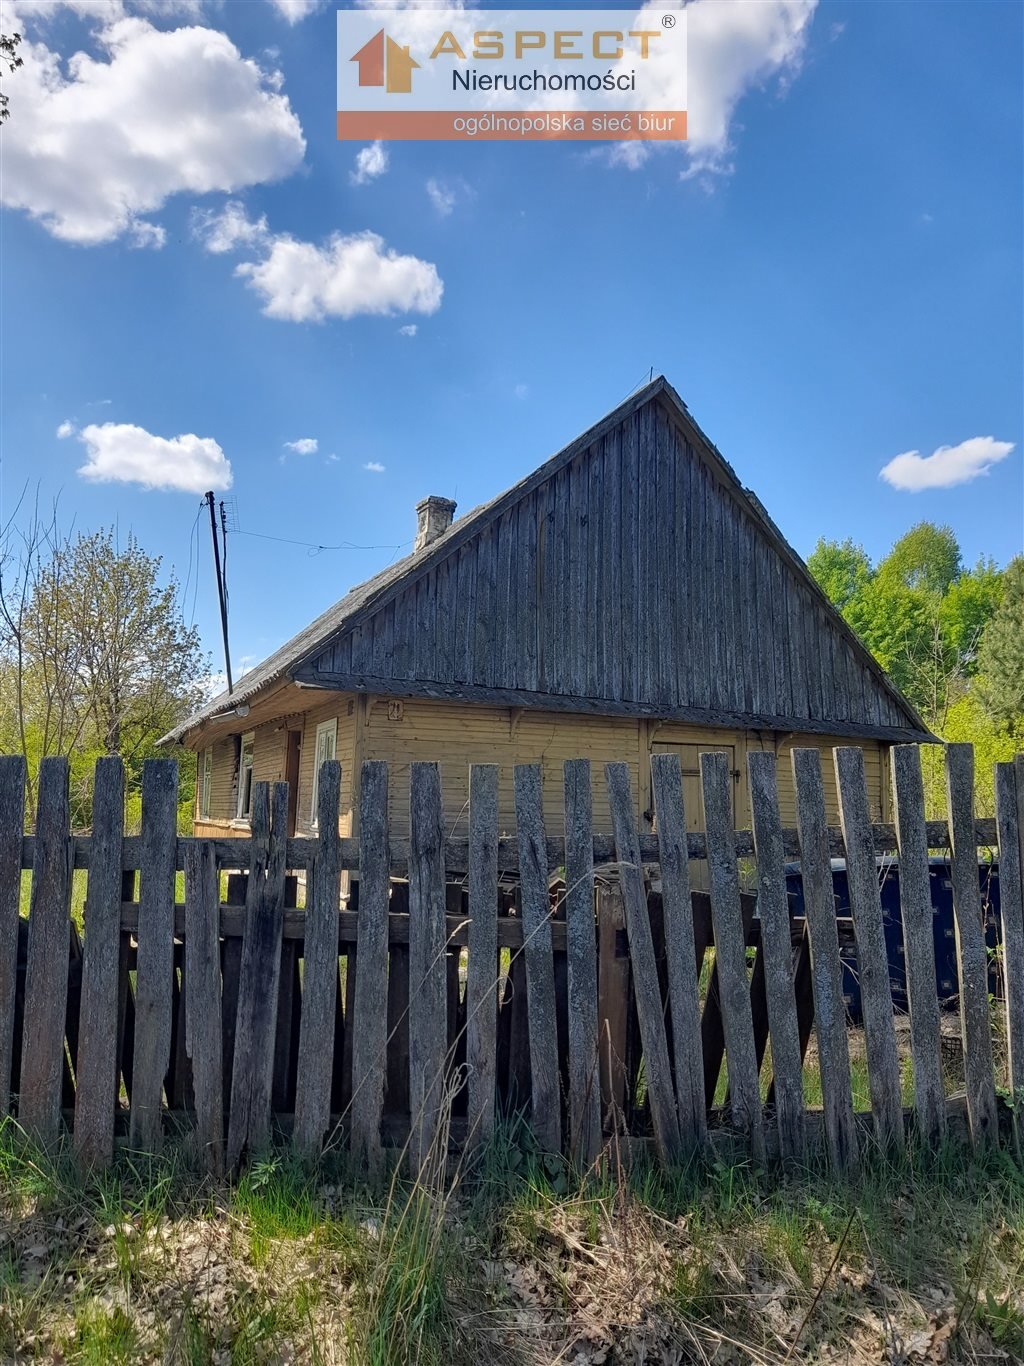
(575, 978)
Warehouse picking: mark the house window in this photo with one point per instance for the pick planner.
(245, 777)
(326, 745)
(206, 783)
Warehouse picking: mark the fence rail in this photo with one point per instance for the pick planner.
(576, 977)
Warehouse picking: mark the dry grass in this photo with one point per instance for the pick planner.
(519, 1261)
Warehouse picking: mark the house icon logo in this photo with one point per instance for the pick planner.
(384, 62)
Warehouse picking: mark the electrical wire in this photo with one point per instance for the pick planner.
(193, 550)
(315, 549)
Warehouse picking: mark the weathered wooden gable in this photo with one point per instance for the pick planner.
(635, 575)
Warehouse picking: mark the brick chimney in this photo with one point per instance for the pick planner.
(433, 518)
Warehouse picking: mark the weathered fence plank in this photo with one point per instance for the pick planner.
(46, 971)
(369, 1036)
(155, 964)
(872, 955)
(972, 957)
(540, 970)
(428, 1005)
(482, 968)
(661, 1096)
(731, 952)
(97, 1072)
(259, 978)
(320, 974)
(826, 967)
(680, 951)
(777, 948)
(12, 823)
(203, 1004)
(1011, 908)
(918, 940)
(581, 952)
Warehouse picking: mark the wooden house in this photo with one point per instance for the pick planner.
(628, 597)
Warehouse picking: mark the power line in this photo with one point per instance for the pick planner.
(315, 549)
(192, 551)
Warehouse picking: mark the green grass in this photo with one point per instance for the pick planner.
(513, 1261)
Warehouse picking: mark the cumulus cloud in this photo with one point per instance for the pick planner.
(228, 228)
(295, 10)
(946, 467)
(409, 330)
(342, 278)
(305, 445)
(65, 430)
(731, 49)
(121, 453)
(371, 162)
(301, 282)
(92, 152)
(374, 466)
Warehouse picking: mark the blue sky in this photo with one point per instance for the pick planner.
(830, 276)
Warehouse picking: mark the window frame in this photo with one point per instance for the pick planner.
(243, 808)
(323, 727)
(206, 783)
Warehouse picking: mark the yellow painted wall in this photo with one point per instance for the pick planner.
(403, 731)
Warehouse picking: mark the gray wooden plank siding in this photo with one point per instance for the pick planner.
(636, 576)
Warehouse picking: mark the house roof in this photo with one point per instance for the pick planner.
(367, 597)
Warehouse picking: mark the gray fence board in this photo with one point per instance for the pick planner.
(428, 1003)
(540, 969)
(581, 951)
(320, 973)
(482, 969)
(872, 954)
(661, 1095)
(153, 984)
(259, 977)
(370, 1027)
(731, 953)
(826, 968)
(1011, 907)
(46, 972)
(203, 1005)
(972, 956)
(918, 941)
(777, 947)
(96, 1073)
(680, 951)
(12, 823)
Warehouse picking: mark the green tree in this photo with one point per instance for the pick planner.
(8, 58)
(842, 568)
(1001, 654)
(96, 657)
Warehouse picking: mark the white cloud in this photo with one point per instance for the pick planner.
(347, 276)
(442, 196)
(303, 282)
(90, 153)
(521, 390)
(66, 429)
(946, 467)
(119, 452)
(295, 10)
(731, 49)
(409, 330)
(227, 229)
(371, 162)
(374, 466)
(306, 445)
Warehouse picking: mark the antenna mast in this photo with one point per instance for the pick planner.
(221, 594)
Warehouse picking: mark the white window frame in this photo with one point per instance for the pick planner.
(243, 811)
(324, 728)
(206, 783)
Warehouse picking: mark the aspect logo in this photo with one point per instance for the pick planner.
(384, 62)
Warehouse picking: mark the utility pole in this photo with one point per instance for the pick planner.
(220, 589)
